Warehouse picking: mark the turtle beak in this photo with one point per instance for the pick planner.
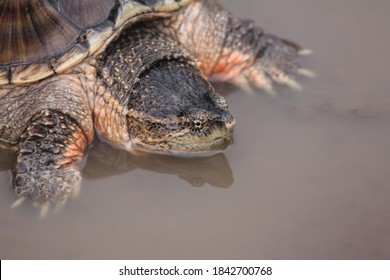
(168, 5)
(230, 126)
(164, 5)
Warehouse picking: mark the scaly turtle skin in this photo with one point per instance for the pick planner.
(134, 71)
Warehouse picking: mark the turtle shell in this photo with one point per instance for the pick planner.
(43, 37)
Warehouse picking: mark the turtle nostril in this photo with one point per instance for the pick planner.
(230, 125)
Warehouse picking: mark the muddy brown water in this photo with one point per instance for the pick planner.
(307, 177)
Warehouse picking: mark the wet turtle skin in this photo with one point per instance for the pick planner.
(134, 72)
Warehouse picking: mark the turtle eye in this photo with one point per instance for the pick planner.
(198, 124)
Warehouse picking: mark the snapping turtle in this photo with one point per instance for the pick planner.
(134, 71)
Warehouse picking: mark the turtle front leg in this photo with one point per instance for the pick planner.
(230, 49)
(44, 169)
(49, 124)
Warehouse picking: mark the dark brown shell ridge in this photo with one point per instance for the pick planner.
(84, 13)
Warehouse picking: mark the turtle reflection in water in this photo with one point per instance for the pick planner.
(135, 71)
(104, 161)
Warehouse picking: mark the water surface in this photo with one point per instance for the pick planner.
(307, 177)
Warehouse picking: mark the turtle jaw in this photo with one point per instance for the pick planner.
(190, 145)
(186, 142)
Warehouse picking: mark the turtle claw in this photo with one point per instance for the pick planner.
(269, 89)
(59, 206)
(18, 202)
(44, 211)
(256, 79)
(76, 192)
(247, 89)
(306, 72)
(244, 84)
(305, 52)
(294, 85)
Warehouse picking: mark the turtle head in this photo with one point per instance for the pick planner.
(174, 110)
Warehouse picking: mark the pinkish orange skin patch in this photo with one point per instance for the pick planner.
(74, 150)
(201, 28)
(110, 118)
(230, 66)
(75, 80)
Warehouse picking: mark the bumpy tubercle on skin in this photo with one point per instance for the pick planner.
(74, 151)
(110, 117)
(61, 93)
